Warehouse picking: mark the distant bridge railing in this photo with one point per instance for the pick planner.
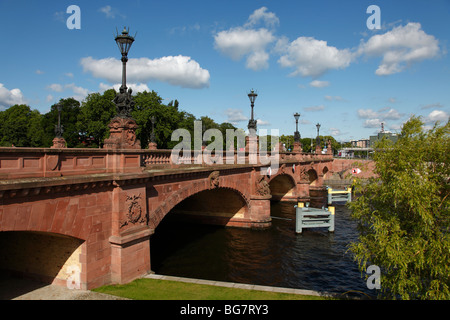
(48, 162)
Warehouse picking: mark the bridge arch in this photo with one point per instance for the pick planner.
(193, 194)
(325, 172)
(282, 185)
(44, 256)
(312, 177)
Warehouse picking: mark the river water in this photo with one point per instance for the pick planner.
(277, 256)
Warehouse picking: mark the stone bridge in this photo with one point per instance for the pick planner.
(84, 217)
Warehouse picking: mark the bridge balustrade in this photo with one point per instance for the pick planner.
(47, 162)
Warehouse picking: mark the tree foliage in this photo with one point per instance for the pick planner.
(403, 214)
(20, 126)
(86, 124)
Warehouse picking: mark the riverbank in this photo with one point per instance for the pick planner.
(161, 287)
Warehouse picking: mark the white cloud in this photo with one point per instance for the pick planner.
(136, 87)
(315, 108)
(234, 116)
(319, 84)
(55, 87)
(10, 97)
(238, 42)
(269, 18)
(79, 92)
(437, 115)
(311, 57)
(372, 123)
(261, 122)
(400, 47)
(248, 41)
(177, 70)
(432, 105)
(108, 11)
(39, 71)
(375, 118)
(383, 114)
(49, 98)
(335, 132)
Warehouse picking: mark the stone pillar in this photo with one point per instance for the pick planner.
(122, 134)
(297, 147)
(130, 234)
(152, 146)
(58, 143)
(318, 149)
(260, 211)
(302, 191)
(329, 149)
(130, 255)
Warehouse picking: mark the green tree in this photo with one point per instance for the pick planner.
(95, 114)
(20, 126)
(69, 116)
(403, 214)
(168, 118)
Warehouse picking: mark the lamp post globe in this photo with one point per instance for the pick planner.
(317, 139)
(252, 122)
(296, 133)
(124, 42)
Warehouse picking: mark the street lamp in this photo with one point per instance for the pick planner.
(152, 134)
(296, 133)
(252, 122)
(59, 128)
(124, 42)
(317, 139)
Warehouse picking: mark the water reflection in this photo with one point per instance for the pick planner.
(314, 260)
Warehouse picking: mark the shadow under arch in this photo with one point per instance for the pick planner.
(42, 257)
(325, 172)
(212, 206)
(312, 177)
(196, 217)
(282, 185)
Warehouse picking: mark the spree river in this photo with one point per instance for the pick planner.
(277, 256)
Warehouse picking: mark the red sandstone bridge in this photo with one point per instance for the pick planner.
(92, 211)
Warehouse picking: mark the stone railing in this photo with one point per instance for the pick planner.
(18, 163)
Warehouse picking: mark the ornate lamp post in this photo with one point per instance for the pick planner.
(252, 122)
(124, 42)
(124, 101)
(252, 139)
(59, 141)
(59, 128)
(318, 148)
(296, 133)
(297, 143)
(123, 126)
(152, 144)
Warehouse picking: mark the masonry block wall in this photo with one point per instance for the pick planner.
(98, 209)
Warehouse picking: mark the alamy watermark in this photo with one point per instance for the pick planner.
(74, 20)
(251, 145)
(74, 279)
(374, 21)
(374, 280)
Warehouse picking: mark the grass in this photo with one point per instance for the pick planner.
(154, 289)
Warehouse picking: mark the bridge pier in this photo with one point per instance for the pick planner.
(130, 254)
(259, 212)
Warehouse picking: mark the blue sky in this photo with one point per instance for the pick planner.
(317, 58)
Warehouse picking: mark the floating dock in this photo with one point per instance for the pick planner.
(339, 195)
(306, 217)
